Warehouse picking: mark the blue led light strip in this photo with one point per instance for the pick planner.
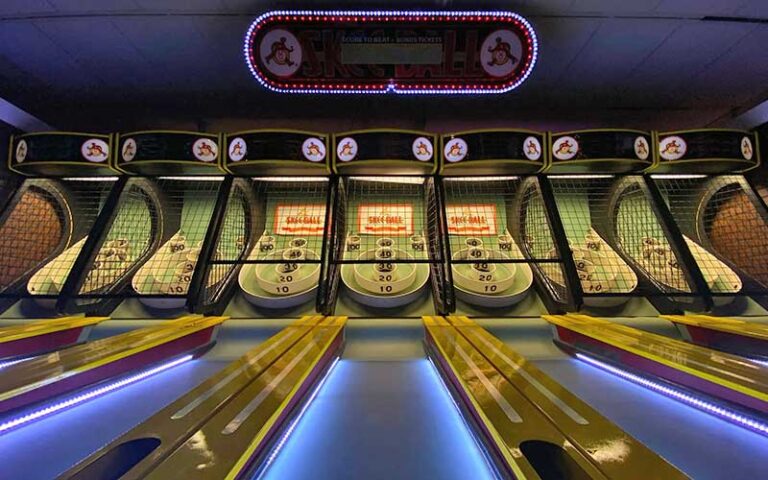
(681, 396)
(84, 397)
(391, 88)
(12, 362)
(471, 431)
(294, 421)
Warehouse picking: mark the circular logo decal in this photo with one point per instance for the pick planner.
(746, 148)
(565, 148)
(129, 150)
(422, 149)
(237, 149)
(346, 150)
(642, 149)
(280, 52)
(532, 148)
(672, 148)
(500, 53)
(95, 150)
(455, 150)
(313, 149)
(21, 151)
(205, 149)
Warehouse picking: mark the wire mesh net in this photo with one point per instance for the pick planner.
(235, 236)
(611, 227)
(286, 222)
(166, 224)
(44, 229)
(582, 205)
(128, 241)
(723, 226)
(389, 234)
(387, 219)
(442, 280)
(501, 221)
(32, 230)
(334, 245)
(486, 254)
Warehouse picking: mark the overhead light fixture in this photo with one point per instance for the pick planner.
(90, 179)
(193, 178)
(480, 179)
(676, 176)
(393, 179)
(290, 179)
(578, 176)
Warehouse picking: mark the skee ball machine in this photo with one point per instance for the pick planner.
(137, 247)
(626, 254)
(85, 242)
(67, 181)
(184, 195)
(386, 235)
(284, 174)
(484, 172)
(132, 241)
(720, 215)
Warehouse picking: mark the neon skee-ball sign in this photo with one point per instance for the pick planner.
(405, 52)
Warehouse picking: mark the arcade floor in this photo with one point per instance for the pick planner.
(383, 413)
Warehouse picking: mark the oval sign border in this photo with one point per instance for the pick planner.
(530, 53)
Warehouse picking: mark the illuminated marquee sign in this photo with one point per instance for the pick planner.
(389, 219)
(390, 51)
(471, 219)
(300, 219)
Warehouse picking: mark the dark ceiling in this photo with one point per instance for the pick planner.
(121, 64)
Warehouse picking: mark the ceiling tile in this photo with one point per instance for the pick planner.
(560, 40)
(753, 9)
(99, 48)
(596, 56)
(186, 53)
(25, 7)
(35, 53)
(94, 7)
(611, 7)
(734, 78)
(687, 51)
(181, 5)
(616, 49)
(698, 8)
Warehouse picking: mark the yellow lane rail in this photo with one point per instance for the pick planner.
(109, 344)
(237, 411)
(54, 366)
(536, 427)
(175, 423)
(39, 336)
(733, 326)
(60, 372)
(748, 380)
(45, 326)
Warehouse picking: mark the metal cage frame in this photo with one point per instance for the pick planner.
(677, 192)
(434, 230)
(80, 215)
